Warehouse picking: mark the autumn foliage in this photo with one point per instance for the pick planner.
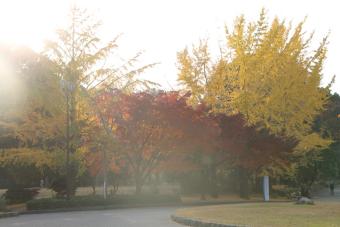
(153, 127)
(246, 110)
(251, 148)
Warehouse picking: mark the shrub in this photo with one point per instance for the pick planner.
(287, 192)
(20, 195)
(55, 203)
(2, 204)
(60, 187)
(58, 174)
(90, 201)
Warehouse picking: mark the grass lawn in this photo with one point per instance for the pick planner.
(226, 198)
(269, 214)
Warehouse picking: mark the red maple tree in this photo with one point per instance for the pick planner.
(153, 128)
(251, 150)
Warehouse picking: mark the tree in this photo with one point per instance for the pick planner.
(252, 151)
(99, 156)
(320, 164)
(31, 120)
(32, 127)
(267, 75)
(150, 127)
(83, 66)
(24, 167)
(328, 125)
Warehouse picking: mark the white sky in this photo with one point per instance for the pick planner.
(161, 28)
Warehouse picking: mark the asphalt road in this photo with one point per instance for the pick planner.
(145, 217)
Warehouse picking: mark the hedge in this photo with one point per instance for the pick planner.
(91, 201)
(20, 195)
(2, 204)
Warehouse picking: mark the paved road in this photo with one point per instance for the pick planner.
(144, 217)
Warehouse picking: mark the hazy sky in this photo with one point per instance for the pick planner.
(161, 28)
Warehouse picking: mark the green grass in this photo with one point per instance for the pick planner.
(226, 198)
(323, 214)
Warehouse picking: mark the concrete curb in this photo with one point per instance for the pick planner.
(199, 223)
(8, 214)
(203, 203)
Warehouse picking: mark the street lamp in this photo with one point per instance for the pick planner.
(68, 88)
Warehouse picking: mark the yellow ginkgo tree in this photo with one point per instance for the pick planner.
(268, 73)
(87, 66)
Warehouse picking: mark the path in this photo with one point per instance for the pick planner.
(324, 195)
(143, 217)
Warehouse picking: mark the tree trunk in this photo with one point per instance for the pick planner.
(68, 149)
(257, 188)
(93, 187)
(305, 191)
(138, 188)
(204, 184)
(244, 184)
(115, 187)
(139, 184)
(104, 175)
(213, 182)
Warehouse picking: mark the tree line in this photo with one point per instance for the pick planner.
(255, 109)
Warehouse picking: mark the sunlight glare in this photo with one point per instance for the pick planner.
(11, 89)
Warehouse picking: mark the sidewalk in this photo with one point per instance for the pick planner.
(325, 195)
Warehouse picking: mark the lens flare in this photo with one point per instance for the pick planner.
(11, 88)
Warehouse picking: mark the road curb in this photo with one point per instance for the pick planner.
(200, 223)
(8, 214)
(212, 203)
